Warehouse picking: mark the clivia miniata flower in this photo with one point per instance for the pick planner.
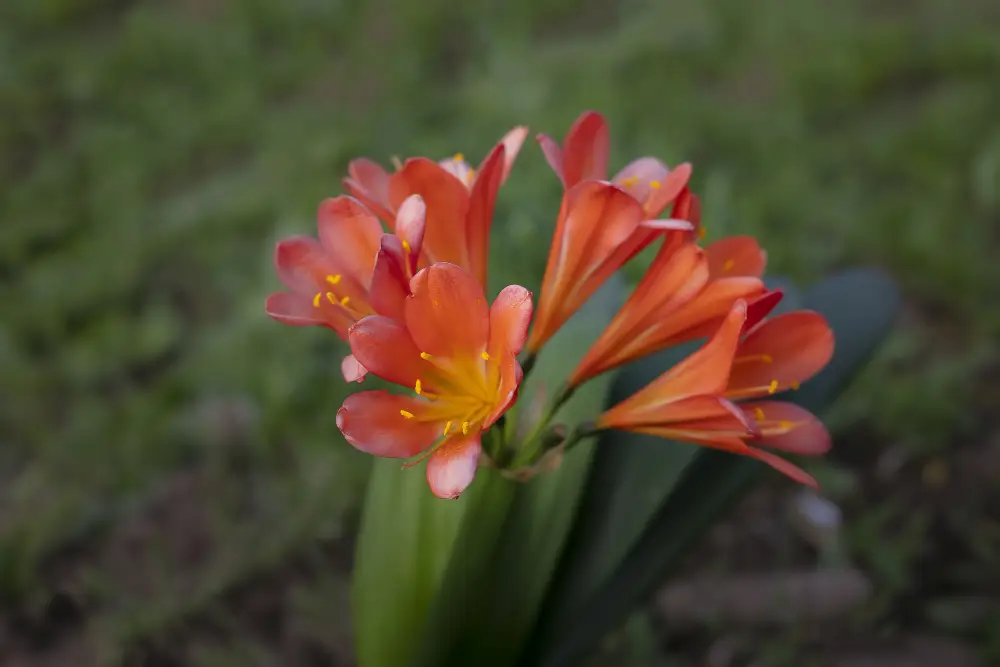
(411, 304)
(457, 355)
(459, 199)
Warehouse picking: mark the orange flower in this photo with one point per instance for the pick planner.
(692, 401)
(335, 281)
(458, 356)
(599, 228)
(684, 295)
(459, 199)
(776, 355)
(584, 157)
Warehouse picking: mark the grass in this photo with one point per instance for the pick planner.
(151, 154)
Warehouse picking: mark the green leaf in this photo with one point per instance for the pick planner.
(504, 557)
(631, 477)
(860, 306)
(403, 546)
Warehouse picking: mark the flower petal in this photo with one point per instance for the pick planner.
(512, 142)
(447, 201)
(350, 234)
(352, 370)
(411, 220)
(703, 373)
(303, 264)
(553, 154)
(384, 347)
(293, 309)
(788, 428)
(652, 183)
(784, 467)
(374, 422)
(390, 285)
(447, 314)
(452, 467)
(510, 375)
(761, 306)
(585, 150)
(369, 182)
(479, 219)
(736, 256)
(780, 353)
(510, 316)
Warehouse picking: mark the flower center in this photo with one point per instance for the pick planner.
(467, 391)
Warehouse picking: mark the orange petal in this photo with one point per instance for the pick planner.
(595, 221)
(350, 234)
(780, 353)
(298, 311)
(390, 284)
(452, 467)
(510, 374)
(447, 201)
(788, 428)
(703, 373)
(585, 150)
(761, 306)
(653, 184)
(352, 370)
(553, 154)
(512, 142)
(369, 182)
(384, 347)
(375, 422)
(482, 198)
(510, 316)
(447, 314)
(736, 256)
(783, 466)
(411, 220)
(303, 264)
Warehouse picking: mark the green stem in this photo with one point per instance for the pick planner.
(528, 448)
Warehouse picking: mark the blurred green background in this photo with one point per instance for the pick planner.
(173, 488)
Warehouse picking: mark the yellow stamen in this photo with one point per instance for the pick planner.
(465, 428)
(655, 185)
(701, 233)
(759, 414)
(406, 246)
(416, 387)
(630, 181)
(447, 427)
(785, 425)
(316, 299)
(408, 415)
(396, 162)
(331, 298)
(765, 358)
(485, 355)
(728, 265)
(343, 302)
(773, 387)
(471, 176)
(458, 157)
(334, 279)
(425, 356)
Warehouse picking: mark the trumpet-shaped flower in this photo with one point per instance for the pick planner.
(776, 355)
(335, 281)
(692, 401)
(600, 227)
(457, 355)
(460, 199)
(584, 154)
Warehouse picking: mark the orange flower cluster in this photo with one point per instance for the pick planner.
(410, 301)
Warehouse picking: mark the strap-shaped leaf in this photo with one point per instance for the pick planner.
(514, 533)
(860, 306)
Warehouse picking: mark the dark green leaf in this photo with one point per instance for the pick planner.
(860, 306)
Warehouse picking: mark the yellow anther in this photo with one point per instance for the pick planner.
(334, 279)
(485, 355)
(416, 387)
(795, 385)
(630, 181)
(759, 414)
(471, 176)
(405, 413)
(785, 425)
(331, 298)
(319, 295)
(728, 265)
(447, 427)
(773, 387)
(343, 302)
(458, 157)
(465, 428)
(767, 358)
(701, 233)
(655, 185)
(425, 356)
(406, 246)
